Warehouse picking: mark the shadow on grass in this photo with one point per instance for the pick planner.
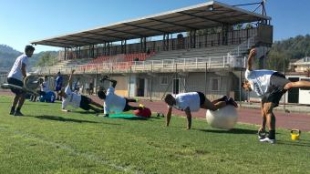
(232, 131)
(133, 118)
(128, 118)
(58, 118)
(294, 143)
(85, 112)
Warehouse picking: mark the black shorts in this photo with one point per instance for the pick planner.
(85, 102)
(276, 88)
(201, 97)
(16, 82)
(127, 107)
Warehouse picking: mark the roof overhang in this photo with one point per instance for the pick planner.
(201, 16)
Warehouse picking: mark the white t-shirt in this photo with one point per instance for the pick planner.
(16, 71)
(259, 80)
(190, 99)
(113, 102)
(72, 98)
(45, 87)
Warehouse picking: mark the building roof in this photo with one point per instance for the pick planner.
(205, 15)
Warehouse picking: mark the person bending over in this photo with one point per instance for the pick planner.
(16, 76)
(114, 103)
(77, 100)
(192, 102)
(269, 85)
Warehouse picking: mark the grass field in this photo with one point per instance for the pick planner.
(47, 140)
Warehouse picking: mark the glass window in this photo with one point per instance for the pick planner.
(164, 80)
(215, 84)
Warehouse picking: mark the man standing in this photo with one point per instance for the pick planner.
(269, 85)
(16, 76)
(58, 84)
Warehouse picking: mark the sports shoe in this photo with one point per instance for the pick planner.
(268, 140)
(232, 102)
(18, 113)
(224, 98)
(12, 112)
(262, 135)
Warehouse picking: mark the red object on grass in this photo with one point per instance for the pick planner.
(145, 112)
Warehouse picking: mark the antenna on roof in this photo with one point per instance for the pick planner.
(263, 7)
(260, 4)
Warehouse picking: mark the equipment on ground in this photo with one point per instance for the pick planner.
(144, 112)
(8, 86)
(295, 134)
(223, 118)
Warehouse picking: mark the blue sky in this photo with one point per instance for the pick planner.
(23, 21)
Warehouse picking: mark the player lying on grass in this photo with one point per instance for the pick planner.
(77, 100)
(114, 103)
(269, 85)
(192, 102)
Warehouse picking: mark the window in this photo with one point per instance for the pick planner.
(215, 84)
(164, 80)
(304, 79)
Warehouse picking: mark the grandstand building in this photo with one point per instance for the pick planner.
(197, 48)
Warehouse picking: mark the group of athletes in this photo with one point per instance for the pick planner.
(269, 85)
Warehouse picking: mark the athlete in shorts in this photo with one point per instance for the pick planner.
(16, 77)
(114, 103)
(192, 102)
(77, 100)
(58, 84)
(269, 85)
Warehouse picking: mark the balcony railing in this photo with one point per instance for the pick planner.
(166, 65)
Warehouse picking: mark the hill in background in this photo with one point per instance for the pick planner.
(9, 54)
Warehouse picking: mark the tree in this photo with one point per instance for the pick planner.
(277, 60)
(46, 59)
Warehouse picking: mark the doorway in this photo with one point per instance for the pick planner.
(140, 87)
(293, 94)
(176, 86)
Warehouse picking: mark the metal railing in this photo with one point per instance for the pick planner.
(233, 59)
(166, 65)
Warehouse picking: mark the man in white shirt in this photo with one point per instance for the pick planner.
(16, 76)
(44, 88)
(192, 102)
(45, 85)
(114, 103)
(77, 100)
(269, 85)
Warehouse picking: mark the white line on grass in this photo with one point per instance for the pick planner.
(90, 156)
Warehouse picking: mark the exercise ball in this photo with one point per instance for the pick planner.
(145, 112)
(223, 118)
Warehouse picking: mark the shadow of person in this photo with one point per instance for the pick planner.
(294, 143)
(58, 118)
(231, 131)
